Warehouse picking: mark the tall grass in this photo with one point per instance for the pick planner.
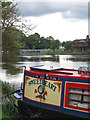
(9, 111)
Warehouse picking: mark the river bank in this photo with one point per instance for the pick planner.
(8, 109)
(61, 52)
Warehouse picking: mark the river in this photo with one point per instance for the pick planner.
(12, 73)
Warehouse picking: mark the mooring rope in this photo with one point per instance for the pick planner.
(10, 94)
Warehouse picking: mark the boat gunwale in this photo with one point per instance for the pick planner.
(53, 74)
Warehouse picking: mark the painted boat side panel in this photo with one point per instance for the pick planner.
(62, 106)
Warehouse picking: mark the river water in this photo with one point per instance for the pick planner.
(12, 73)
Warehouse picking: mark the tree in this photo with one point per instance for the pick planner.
(10, 15)
(10, 35)
(50, 38)
(55, 45)
(68, 45)
(10, 19)
(31, 42)
(42, 43)
(11, 41)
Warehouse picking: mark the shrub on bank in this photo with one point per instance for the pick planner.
(9, 111)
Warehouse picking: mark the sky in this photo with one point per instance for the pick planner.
(63, 20)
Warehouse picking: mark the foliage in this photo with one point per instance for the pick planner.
(68, 45)
(55, 44)
(10, 35)
(34, 41)
(50, 52)
(66, 52)
(11, 41)
(6, 88)
(10, 15)
(8, 109)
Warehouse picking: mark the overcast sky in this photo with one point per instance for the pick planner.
(61, 20)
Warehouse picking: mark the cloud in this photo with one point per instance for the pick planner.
(68, 10)
(56, 26)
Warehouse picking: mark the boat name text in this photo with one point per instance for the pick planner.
(46, 83)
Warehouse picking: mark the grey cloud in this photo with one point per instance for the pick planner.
(68, 10)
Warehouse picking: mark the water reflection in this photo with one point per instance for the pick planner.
(8, 63)
(10, 69)
(39, 58)
(79, 58)
(74, 61)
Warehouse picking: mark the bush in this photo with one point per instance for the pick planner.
(8, 109)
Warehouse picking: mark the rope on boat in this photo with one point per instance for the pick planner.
(10, 94)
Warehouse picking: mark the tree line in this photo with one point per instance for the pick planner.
(14, 38)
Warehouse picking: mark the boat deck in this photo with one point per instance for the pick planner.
(72, 72)
(59, 72)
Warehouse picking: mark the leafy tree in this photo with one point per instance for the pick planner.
(23, 40)
(11, 38)
(68, 45)
(11, 41)
(37, 36)
(10, 34)
(10, 15)
(42, 43)
(55, 45)
(50, 38)
(31, 42)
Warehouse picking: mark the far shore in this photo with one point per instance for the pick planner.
(60, 52)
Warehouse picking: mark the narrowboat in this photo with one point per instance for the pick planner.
(53, 91)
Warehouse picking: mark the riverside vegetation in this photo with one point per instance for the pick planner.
(9, 111)
(64, 52)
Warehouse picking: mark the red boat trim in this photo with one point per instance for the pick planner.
(50, 73)
(68, 76)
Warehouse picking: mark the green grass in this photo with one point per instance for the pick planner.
(61, 52)
(51, 52)
(9, 111)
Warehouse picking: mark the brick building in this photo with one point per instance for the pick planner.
(81, 44)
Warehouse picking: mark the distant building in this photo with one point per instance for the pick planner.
(81, 44)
